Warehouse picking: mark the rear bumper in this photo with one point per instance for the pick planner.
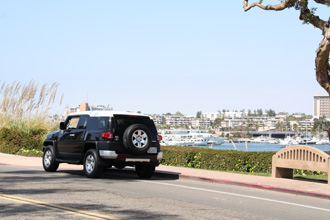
(112, 155)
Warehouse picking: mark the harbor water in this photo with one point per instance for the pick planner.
(259, 147)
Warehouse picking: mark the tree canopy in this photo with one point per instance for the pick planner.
(307, 15)
(199, 114)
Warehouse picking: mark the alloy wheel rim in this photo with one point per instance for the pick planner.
(139, 138)
(90, 163)
(48, 158)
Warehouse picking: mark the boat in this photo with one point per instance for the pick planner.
(288, 141)
(306, 141)
(215, 140)
(323, 142)
(263, 140)
(299, 140)
(190, 137)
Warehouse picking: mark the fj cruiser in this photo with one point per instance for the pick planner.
(102, 139)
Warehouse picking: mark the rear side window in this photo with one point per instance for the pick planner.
(83, 122)
(98, 123)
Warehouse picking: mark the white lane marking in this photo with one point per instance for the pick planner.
(240, 195)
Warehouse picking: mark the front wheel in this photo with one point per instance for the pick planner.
(92, 168)
(145, 171)
(49, 159)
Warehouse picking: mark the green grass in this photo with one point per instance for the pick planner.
(317, 178)
(31, 153)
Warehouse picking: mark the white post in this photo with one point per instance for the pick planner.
(233, 144)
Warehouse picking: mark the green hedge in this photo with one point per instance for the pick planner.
(13, 141)
(222, 160)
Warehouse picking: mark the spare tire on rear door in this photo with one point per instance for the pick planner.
(137, 139)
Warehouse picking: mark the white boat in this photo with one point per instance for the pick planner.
(306, 141)
(322, 138)
(323, 142)
(183, 137)
(298, 140)
(288, 141)
(215, 140)
(263, 140)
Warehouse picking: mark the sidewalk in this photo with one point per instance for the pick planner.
(278, 184)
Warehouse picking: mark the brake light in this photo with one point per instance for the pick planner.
(107, 135)
(159, 137)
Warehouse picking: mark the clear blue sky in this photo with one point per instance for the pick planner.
(161, 56)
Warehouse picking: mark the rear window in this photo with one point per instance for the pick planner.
(124, 121)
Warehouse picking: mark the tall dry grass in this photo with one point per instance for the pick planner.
(24, 112)
(26, 101)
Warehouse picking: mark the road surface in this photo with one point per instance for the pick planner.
(31, 193)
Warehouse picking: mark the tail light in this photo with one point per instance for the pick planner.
(107, 135)
(159, 137)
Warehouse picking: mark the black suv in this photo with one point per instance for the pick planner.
(102, 139)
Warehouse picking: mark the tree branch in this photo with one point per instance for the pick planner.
(279, 7)
(322, 66)
(308, 16)
(323, 2)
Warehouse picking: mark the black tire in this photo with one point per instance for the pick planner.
(49, 159)
(137, 139)
(92, 167)
(145, 171)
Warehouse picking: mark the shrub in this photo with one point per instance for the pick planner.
(222, 160)
(12, 140)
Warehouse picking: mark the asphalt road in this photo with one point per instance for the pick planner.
(31, 193)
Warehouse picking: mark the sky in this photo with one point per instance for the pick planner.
(161, 56)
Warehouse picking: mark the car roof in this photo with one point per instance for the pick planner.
(106, 113)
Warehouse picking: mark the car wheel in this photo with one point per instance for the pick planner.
(92, 168)
(145, 171)
(49, 159)
(137, 139)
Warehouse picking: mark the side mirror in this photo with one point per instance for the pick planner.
(62, 126)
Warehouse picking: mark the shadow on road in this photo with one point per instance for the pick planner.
(63, 188)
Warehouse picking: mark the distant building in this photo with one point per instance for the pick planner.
(214, 115)
(85, 107)
(322, 106)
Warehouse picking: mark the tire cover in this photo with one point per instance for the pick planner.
(137, 139)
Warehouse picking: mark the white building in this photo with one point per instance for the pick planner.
(87, 107)
(322, 106)
(262, 123)
(181, 121)
(213, 115)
